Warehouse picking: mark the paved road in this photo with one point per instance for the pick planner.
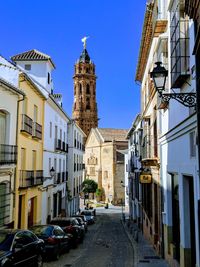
(105, 245)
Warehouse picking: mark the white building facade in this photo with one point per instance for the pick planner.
(178, 150)
(133, 170)
(76, 167)
(169, 38)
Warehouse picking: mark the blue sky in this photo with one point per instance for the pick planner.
(56, 28)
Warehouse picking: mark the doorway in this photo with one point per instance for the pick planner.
(176, 216)
(189, 216)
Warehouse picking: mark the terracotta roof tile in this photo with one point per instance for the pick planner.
(32, 55)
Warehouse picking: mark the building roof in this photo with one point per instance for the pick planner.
(147, 35)
(32, 55)
(11, 86)
(110, 134)
(84, 57)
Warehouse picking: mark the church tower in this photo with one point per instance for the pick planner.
(85, 106)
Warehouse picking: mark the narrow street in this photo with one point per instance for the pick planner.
(105, 244)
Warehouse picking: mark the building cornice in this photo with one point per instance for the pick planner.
(145, 42)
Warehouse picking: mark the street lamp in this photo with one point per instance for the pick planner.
(52, 172)
(159, 76)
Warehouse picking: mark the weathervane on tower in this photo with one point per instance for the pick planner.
(84, 39)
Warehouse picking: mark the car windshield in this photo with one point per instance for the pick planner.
(42, 230)
(5, 241)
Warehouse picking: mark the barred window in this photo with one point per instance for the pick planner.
(4, 203)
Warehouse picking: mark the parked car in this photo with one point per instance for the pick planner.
(20, 248)
(71, 226)
(89, 216)
(55, 239)
(82, 220)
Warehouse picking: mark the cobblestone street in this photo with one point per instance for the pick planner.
(106, 244)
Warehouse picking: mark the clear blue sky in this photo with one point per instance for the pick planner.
(56, 28)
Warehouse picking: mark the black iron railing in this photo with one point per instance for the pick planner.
(27, 124)
(8, 154)
(58, 144)
(37, 130)
(58, 178)
(30, 178)
(63, 177)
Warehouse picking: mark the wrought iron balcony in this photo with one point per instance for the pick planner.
(30, 178)
(63, 146)
(63, 177)
(149, 150)
(58, 144)
(37, 130)
(27, 124)
(8, 154)
(57, 179)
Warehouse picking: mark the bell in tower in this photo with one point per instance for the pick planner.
(85, 106)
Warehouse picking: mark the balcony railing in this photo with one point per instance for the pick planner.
(58, 178)
(149, 148)
(37, 130)
(30, 178)
(64, 177)
(63, 146)
(8, 154)
(27, 124)
(58, 144)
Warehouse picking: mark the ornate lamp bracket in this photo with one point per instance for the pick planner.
(186, 99)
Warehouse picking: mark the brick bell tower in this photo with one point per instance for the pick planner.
(85, 106)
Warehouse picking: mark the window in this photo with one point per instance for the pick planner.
(35, 113)
(88, 89)
(24, 108)
(50, 164)
(50, 129)
(179, 40)
(192, 144)
(87, 103)
(4, 203)
(80, 88)
(27, 66)
(34, 158)
(48, 78)
(23, 158)
(2, 127)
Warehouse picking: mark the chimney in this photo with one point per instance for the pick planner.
(58, 98)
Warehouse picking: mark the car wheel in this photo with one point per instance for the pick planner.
(39, 261)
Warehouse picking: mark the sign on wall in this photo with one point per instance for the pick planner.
(145, 178)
